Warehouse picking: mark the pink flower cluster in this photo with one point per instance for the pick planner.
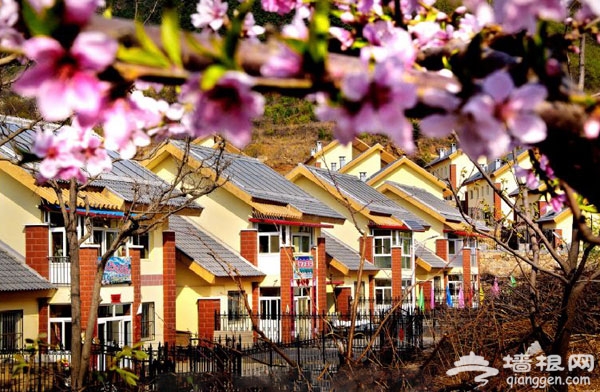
(532, 181)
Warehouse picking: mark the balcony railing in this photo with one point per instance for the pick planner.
(60, 270)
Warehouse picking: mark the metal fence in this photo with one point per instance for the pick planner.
(230, 363)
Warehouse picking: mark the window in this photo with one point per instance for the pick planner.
(143, 242)
(405, 241)
(235, 305)
(147, 321)
(383, 294)
(382, 241)
(455, 244)
(302, 240)
(455, 283)
(11, 330)
(268, 239)
(60, 327)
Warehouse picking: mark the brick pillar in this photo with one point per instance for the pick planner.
(342, 300)
(467, 288)
(255, 306)
(396, 274)
(208, 309)
(320, 269)
(88, 262)
(427, 293)
(37, 245)
(372, 294)
(557, 240)
(441, 248)
(43, 316)
(249, 245)
(136, 281)
(452, 177)
(497, 203)
(368, 247)
(169, 287)
(286, 260)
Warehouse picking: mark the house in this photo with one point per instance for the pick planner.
(388, 229)
(139, 288)
(268, 221)
(356, 158)
(21, 290)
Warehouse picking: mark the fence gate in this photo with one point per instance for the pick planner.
(270, 322)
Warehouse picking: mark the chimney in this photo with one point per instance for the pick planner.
(313, 151)
(342, 161)
(441, 152)
(319, 145)
(453, 147)
(333, 166)
(363, 176)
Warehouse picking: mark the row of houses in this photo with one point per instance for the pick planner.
(351, 223)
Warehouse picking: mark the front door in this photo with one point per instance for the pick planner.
(270, 317)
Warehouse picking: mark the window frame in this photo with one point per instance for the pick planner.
(148, 321)
(13, 338)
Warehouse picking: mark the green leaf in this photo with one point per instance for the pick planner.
(40, 24)
(318, 37)
(211, 76)
(146, 42)
(169, 30)
(141, 56)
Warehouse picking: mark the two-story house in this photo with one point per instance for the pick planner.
(138, 293)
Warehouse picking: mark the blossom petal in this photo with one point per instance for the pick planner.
(499, 85)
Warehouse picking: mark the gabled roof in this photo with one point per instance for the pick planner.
(428, 259)
(268, 192)
(378, 149)
(553, 216)
(17, 276)
(356, 143)
(211, 257)
(498, 166)
(392, 167)
(445, 155)
(128, 182)
(343, 257)
(381, 210)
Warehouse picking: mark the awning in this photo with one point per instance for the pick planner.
(276, 211)
(93, 212)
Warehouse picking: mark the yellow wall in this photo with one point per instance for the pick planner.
(334, 154)
(370, 165)
(409, 176)
(18, 205)
(27, 302)
(155, 294)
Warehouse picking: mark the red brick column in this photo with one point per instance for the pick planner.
(37, 245)
(136, 281)
(255, 306)
(453, 178)
(286, 260)
(497, 203)
(427, 293)
(441, 248)
(88, 262)
(396, 274)
(342, 299)
(557, 240)
(321, 278)
(368, 247)
(207, 309)
(249, 245)
(372, 294)
(169, 287)
(467, 289)
(43, 316)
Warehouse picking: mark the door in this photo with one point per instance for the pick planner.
(303, 322)
(270, 317)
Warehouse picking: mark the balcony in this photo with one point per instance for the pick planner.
(60, 270)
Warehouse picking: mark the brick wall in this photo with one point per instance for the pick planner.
(441, 248)
(497, 203)
(396, 274)
(88, 265)
(249, 246)
(342, 299)
(466, 264)
(169, 286)
(368, 247)
(207, 308)
(136, 281)
(37, 243)
(427, 293)
(285, 261)
(321, 271)
(43, 316)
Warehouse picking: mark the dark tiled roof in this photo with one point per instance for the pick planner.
(345, 254)
(430, 200)
(368, 196)
(429, 257)
(261, 182)
(207, 251)
(550, 215)
(128, 179)
(15, 275)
